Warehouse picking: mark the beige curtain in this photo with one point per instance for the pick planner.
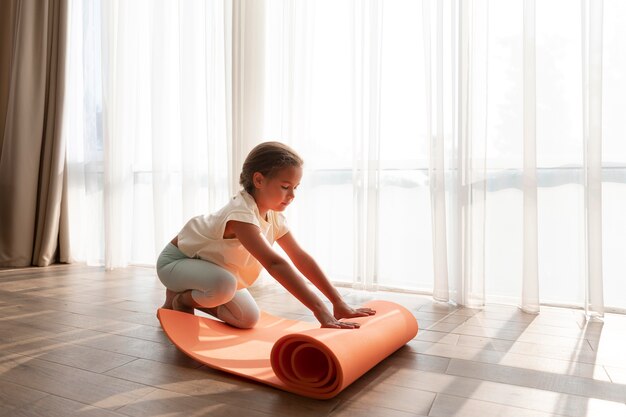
(33, 224)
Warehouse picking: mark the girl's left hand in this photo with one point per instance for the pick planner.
(341, 310)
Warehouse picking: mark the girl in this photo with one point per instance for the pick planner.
(215, 257)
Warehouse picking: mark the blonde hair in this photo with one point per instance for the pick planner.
(267, 158)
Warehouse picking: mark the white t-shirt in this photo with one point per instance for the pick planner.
(203, 237)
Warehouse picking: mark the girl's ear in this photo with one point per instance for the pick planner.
(258, 180)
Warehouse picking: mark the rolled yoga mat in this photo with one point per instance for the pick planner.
(295, 356)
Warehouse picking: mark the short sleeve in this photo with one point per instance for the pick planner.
(242, 216)
(282, 228)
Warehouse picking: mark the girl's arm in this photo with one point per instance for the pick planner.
(251, 238)
(310, 269)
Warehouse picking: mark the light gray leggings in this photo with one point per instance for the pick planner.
(211, 285)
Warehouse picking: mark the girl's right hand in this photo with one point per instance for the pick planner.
(329, 321)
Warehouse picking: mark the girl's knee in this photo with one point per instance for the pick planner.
(221, 290)
(224, 288)
(240, 312)
(248, 320)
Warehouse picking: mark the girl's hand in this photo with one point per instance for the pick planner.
(327, 320)
(342, 310)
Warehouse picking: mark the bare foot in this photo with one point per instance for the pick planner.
(178, 303)
(169, 296)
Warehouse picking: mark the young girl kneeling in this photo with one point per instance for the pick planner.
(215, 257)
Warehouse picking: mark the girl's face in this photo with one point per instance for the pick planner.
(277, 192)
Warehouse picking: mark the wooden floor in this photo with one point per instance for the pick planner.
(79, 341)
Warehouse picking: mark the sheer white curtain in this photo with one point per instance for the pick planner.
(468, 148)
(348, 92)
(148, 127)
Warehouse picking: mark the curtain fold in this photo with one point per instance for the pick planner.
(367, 34)
(248, 83)
(592, 28)
(530, 277)
(434, 77)
(32, 155)
(458, 189)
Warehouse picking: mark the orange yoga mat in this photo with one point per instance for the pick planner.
(295, 356)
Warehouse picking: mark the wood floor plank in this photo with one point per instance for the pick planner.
(53, 406)
(537, 363)
(99, 390)
(388, 397)
(498, 392)
(222, 387)
(129, 346)
(566, 384)
(453, 406)
(81, 341)
(450, 406)
(21, 328)
(358, 409)
(13, 396)
(67, 353)
(617, 375)
(175, 404)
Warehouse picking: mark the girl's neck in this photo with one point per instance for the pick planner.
(262, 211)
